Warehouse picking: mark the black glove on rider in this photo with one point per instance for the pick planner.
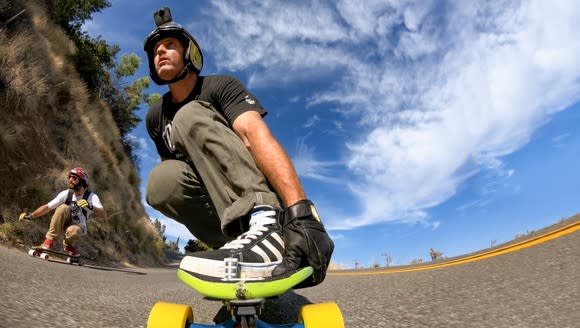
(306, 243)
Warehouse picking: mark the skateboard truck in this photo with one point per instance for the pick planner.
(246, 312)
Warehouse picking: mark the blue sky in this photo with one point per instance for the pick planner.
(412, 124)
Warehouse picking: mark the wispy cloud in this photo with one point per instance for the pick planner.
(475, 203)
(560, 140)
(439, 90)
(311, 121)
(308, 166)
(337, 236)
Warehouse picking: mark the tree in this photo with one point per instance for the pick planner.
(195, 245)
(173, 246)
(93, 56)
(95, 62)
(71, 14)
(435, 255)
(124, 98)
(388, 259)
(356, 263)
(160, 228)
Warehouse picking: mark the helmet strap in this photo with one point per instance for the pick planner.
(188, 67)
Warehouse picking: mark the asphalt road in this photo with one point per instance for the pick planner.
(534, 287)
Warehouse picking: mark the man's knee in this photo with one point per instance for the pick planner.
(72, 233)
(168, 182)
(161, 182)
(61, 215)
(62, 210)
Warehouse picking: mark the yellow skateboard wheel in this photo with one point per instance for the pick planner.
(170, 315)
(323, 315)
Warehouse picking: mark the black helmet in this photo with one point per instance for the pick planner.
(166, 27)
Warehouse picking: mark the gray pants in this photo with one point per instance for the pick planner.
(212, 198)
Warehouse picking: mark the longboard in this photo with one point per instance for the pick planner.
(245, 301)
(243, 290)
(48, 254)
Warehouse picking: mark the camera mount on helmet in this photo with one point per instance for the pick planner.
(162, 16)
(166, 27)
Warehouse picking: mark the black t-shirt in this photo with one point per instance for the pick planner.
(227, 95)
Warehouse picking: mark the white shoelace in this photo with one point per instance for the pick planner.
(258, 223)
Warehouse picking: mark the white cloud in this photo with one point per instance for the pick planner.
(311, 121)
(475, 203)
(439, 92)
(560, 140)
(337, 236)
(308, 166)
(142, 144)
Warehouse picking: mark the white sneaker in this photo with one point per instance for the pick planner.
(251, 256)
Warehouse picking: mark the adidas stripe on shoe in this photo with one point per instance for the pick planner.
(251, 256)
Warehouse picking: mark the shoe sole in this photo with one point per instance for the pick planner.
(216, 270)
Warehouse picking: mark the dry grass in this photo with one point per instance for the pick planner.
(49, 125)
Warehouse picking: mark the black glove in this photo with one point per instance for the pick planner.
(24, 216)
(84, 204)
(306, 243)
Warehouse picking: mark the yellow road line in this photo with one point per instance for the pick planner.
(573, 227)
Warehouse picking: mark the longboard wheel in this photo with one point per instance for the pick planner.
(44, 256)
(74, 260)
(170, 315)
(32, 252)
(321, 316)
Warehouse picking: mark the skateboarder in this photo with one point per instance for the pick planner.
(73, 207)
(222, 174)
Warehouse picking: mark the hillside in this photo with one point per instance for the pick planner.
(49, 124)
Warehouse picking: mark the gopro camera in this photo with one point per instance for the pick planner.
(162, 16)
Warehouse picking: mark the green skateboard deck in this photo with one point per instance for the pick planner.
(244, 290)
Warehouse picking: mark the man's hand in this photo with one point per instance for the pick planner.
(24, 216)
(83, 203)
(306, 243)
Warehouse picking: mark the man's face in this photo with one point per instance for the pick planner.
(168, 58)
(73, 181)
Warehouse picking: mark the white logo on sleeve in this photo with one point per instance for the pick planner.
(250, 100)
